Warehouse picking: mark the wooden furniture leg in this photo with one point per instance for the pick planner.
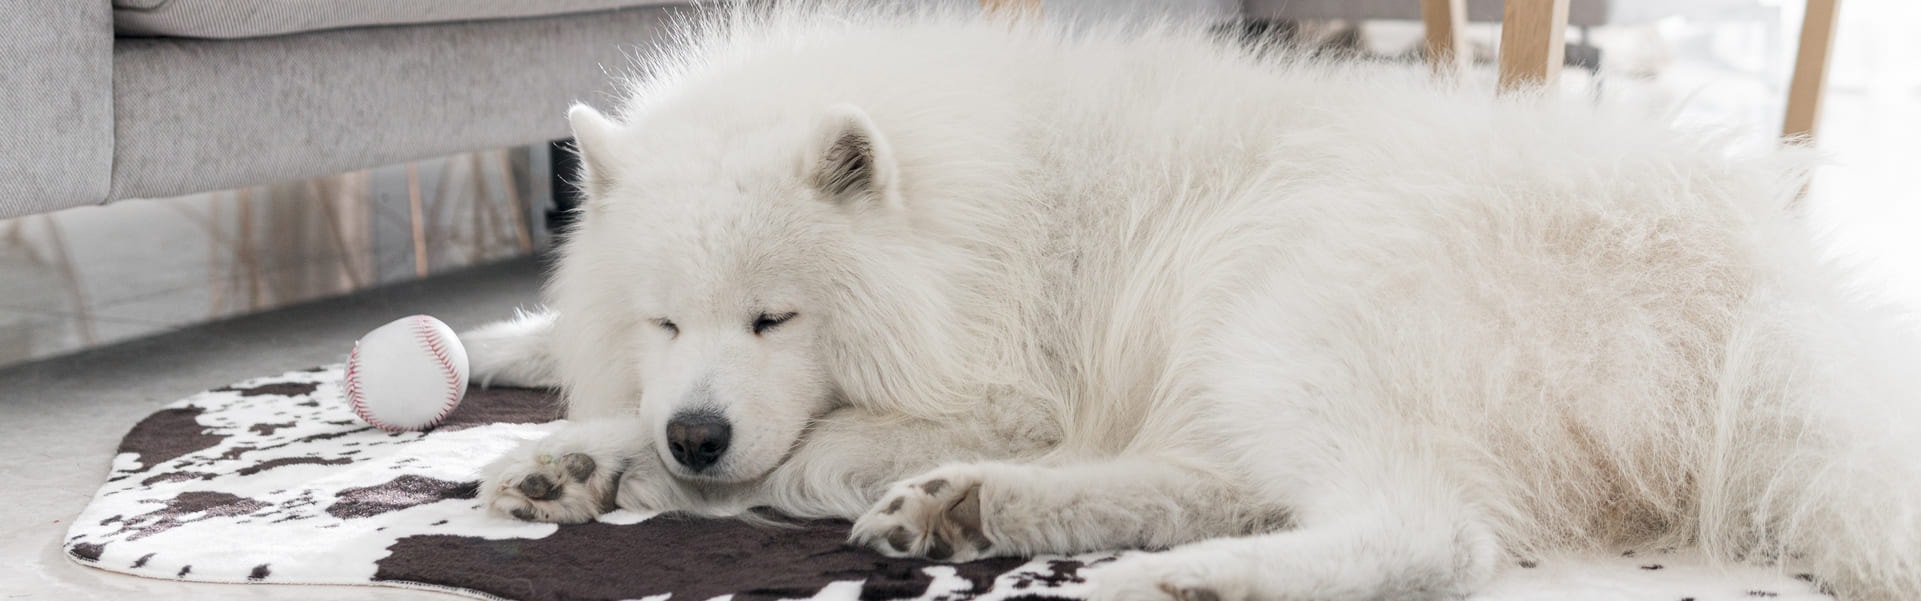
(1810, 71)
(1446, 22)
(1532, 45)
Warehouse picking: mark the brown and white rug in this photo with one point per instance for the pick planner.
(274, 480)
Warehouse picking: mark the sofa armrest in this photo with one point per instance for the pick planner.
(56, 98)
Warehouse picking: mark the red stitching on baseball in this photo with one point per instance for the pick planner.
(354, 398)
(429, 335)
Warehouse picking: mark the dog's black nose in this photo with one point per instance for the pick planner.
(697, 440)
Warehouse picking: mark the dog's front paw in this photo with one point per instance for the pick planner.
(542, 484)
(937, 516)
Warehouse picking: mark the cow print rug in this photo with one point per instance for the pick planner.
(274, 480)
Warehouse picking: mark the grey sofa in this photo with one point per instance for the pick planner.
(112, 99)
(144, 98)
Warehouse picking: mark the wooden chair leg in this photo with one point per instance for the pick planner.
(1810, 71)
(1446, 22)
(1532, 46)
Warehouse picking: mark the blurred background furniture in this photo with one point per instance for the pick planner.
(150, 98)
(1810, 71)
(153, 98)
(1532, 48)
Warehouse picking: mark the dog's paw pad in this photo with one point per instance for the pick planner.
(539, 487)
(568, 488)
(936, 516)
(578, 465)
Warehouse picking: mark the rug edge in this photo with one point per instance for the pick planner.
(400, 584)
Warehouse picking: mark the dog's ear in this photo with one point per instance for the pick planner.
(593, 138)
(850, 162)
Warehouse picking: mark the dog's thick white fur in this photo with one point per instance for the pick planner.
(1323, 332)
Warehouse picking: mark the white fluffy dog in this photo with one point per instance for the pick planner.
(1323, 332)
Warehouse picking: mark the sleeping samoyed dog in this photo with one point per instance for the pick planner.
(1319, 331)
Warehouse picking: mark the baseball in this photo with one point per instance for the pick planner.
(406, 375)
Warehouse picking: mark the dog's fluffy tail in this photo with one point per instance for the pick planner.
(513, 352)
(1851, 517)
(1857, 517)
(1854, 528)
(1829, 482)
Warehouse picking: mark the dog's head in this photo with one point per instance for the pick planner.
(707, 267)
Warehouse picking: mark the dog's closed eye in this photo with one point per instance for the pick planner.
(766, 322)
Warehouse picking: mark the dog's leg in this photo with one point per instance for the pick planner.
(850, 457)
(847, 459)
(513, 352)
(1389, 532)
(965, 511)
(568, 477)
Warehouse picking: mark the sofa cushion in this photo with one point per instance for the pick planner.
(255, 18)
(194, 115)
